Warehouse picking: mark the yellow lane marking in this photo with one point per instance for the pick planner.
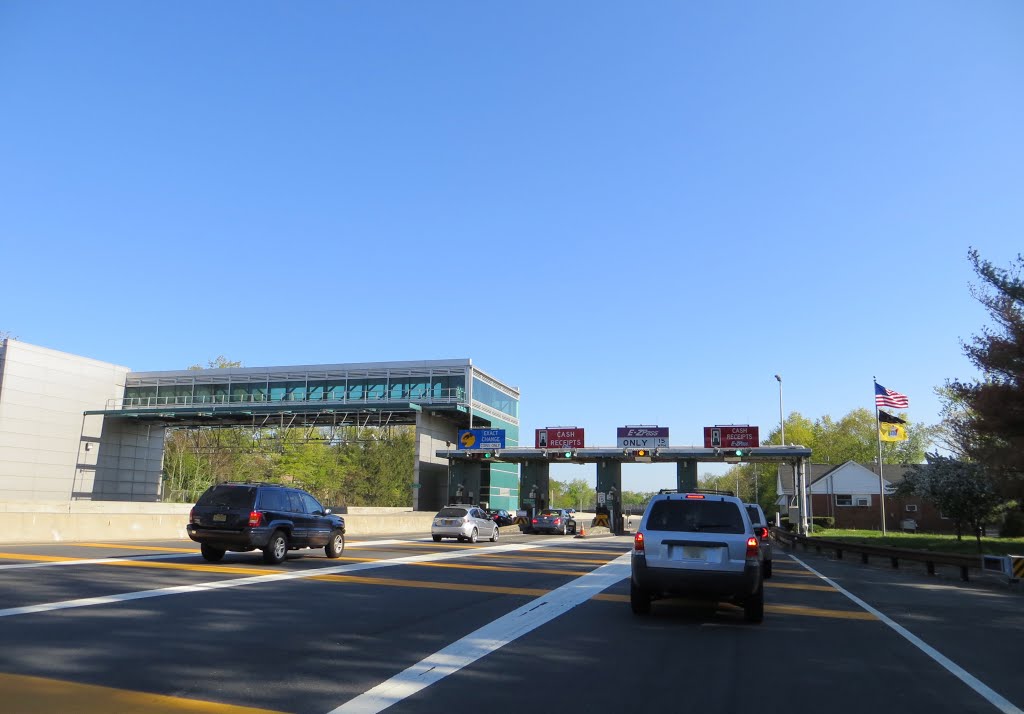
(118, 546)
(37, 695)
(40, 558)
(500, 568)
(820, 612)
(545, 559)
(778, 609)
(801, 586)
(795, 573)
(426, 584)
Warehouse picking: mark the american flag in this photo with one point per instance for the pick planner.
(888, 398)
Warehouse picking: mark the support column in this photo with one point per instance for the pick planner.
(534, 486)
(686, 475)
(464, 486)
(609, 483)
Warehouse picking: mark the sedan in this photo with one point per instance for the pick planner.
(554, 520)
(463, 523)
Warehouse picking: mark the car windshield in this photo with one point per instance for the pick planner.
(695, 516)
(229, 496)
(451, 513)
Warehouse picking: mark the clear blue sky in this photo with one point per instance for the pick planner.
(637, 213)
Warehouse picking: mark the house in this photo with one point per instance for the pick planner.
(849, 493)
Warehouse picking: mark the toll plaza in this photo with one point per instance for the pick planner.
(467, 465)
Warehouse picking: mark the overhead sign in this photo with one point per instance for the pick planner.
(555, 437)
(641, 437)
(481, 439)
(734, 436)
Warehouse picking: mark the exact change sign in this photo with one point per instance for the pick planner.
(641, 437)
(481, 439)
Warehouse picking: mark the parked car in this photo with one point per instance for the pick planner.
(463, 523)
(699, 545)
(502, 517)
(760, 523)
(554, 520)
(273, 518)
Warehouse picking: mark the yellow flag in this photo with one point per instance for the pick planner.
(892, 432)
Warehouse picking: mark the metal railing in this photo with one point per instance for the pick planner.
(895, 555)
(449, 396)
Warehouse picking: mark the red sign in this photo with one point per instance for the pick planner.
(559, 438)
(731, 437)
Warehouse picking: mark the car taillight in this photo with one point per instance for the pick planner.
(638, 542)
(534, 520)
(751, 547)
(255, 519)
(695, 495)
(192, 516)
(557, 521)
(762, 532)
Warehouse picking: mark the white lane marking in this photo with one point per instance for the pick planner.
(993, 697)
(168, 556)
(239, 582)
(487, 639)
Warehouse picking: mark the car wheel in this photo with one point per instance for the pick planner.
(767, 569)
(437, 539)
(572, 529)
(336, 545)
(753, 608)
(565, 529)
(639, 599)
(211, 553)
(277, 548)
(494, 538)
(473, 536)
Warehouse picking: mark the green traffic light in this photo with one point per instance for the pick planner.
(739, 452)
(487, 454)
(568, 454)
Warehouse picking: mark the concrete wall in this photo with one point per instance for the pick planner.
(431, 472)
(130, 466)
(85, 521)
(46, 445)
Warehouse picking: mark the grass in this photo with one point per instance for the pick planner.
(935, 542)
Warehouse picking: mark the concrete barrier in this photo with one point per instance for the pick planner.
(30, 522)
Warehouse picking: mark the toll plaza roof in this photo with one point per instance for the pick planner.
(757, 454)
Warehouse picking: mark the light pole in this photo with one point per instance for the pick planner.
(782, 419)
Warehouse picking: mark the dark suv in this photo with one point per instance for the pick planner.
(271, 517)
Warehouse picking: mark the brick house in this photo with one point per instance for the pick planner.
(849, 494)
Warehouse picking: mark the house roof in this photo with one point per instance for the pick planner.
(892, 473)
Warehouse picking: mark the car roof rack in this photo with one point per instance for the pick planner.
(714, 491)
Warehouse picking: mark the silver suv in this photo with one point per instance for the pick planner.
(763, 534)
(698, 545)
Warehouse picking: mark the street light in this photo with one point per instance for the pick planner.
(782, 419)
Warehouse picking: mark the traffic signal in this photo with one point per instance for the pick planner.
(562, 454)
(641, 453)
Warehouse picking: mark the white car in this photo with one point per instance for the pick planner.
(763, 534)
(469, 523)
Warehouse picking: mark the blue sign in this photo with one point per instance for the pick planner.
(481, 439)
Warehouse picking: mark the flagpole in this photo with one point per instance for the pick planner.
(878, 435)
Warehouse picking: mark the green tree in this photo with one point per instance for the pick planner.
(962, 491)
(994, 404)
(221, 362)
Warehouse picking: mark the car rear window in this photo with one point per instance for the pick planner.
(695, 516)
(550, 513)
(229, 496)
(755, 517)
(451, 513)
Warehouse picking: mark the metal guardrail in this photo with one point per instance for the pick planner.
(964, 562)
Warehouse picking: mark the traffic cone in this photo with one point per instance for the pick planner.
(583, 531)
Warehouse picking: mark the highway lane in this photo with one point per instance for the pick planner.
(316, 635)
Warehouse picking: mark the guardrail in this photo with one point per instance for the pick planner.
(964, 562)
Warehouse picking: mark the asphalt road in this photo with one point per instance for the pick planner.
(532, 623)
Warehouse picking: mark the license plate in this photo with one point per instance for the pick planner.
(693, 552)
(219, 517)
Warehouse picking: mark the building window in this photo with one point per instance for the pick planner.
(846, 499)
(912, 507)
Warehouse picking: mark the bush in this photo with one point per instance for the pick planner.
(823, 522)
(1012, 525)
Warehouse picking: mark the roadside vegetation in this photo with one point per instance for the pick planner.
(935, 542)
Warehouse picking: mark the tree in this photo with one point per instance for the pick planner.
(962, 491)
(994, 404)
(853, 438)
(221, 362)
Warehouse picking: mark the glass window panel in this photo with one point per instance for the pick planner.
(278, 391)
(317, 391)
(336, 391)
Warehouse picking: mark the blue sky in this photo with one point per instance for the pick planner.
(637, 213)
